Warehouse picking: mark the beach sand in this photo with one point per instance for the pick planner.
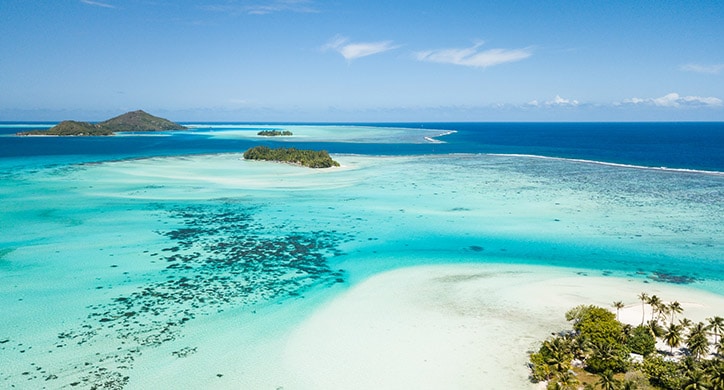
(456, 326)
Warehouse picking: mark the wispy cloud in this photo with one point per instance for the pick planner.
(264, 7)
(473, 57)
(698, 68)
(557, 101)
(97, 4)
(354, 50)
(674, 100)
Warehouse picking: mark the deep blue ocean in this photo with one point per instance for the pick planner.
(688, 145)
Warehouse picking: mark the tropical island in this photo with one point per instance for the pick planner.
(306, 158)
(131, 121)
(274, 133)
(662, 352)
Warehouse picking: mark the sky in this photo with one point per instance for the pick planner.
(363, 61)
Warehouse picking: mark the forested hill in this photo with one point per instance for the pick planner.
(139, 121)
(131, 121)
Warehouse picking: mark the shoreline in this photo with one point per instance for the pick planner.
(455, 326)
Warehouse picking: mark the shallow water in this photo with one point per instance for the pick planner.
(103, 263)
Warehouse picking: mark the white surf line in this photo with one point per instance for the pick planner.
(680, 170)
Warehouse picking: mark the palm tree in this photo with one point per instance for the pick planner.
(579, 347)
(716, 324)
(618, 305)
(672, 337)
(566, 380)
(560, 356)
(644, 298)
(675, 308)
(685, 322)
(606, 356)
(554, 386)
(607, 381)
(716, 375)
(655, 303)
(655, 329)
(695, 380)
(543, 371)
(687, 365)
(696, 342)
(720, 347)
(629, 385)
(626, 332)
(663, 311)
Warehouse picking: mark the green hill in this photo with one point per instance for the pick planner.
(139, 121)
(130, 121)
(71, 128)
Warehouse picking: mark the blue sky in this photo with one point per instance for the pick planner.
(317, 60)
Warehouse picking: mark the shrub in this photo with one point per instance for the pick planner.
(641, 341)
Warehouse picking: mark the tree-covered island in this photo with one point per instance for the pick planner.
(307, 158)
(131, 121)
(603, 353)
(275, 133)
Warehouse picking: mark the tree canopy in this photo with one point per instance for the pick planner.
(600, 347)
(275, 133)
(307, 158)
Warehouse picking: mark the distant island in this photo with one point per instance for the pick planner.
(131, 121)
(274, 133)
(307, 158)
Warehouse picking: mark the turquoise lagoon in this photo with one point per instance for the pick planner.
(113, 265)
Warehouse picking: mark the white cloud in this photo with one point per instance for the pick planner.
(351, 51)
(697, 100)
(709, 69)
(634, 101)
(675, 100)
(557, 101)
(473, 57)
(668, 100)
(97, 4)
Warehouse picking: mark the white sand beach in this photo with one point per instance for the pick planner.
(456, 326)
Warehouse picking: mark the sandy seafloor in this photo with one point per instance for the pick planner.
(423, 272)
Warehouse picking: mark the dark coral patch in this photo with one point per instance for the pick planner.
(220, 257)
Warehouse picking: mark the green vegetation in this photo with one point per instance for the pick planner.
(274, 133)
(640, 341)
(71, 128)
(130, 121)
(602, 333)
(596, 353)
(307, 158)
(139, 121)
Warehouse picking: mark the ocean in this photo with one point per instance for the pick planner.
(689, 145)
(118, 249)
